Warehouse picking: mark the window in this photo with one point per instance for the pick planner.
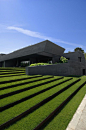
(68, 58)
(79, 59)
(83, 71)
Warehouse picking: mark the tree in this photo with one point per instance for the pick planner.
(80, 49)
(85, 55)
(69, 51)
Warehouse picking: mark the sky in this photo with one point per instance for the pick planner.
(27, 22)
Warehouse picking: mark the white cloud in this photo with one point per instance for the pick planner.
(38, 35)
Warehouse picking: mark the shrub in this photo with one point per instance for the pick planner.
(63, 60)
(38, 64)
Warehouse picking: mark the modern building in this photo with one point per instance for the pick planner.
(40, 52)
(46, 51)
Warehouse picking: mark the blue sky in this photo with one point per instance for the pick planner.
(26, 22)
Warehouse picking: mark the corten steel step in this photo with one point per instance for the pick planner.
(58, 108)
(15, 119)
(15, 85)
(28, 88)
(30, 96)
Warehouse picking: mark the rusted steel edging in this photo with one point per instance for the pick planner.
(10, 122)
(28, 88)
(58, 108)
(30, 96)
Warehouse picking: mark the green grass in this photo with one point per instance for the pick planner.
(11, 75)
(21, 95)
(10, 113)
(12, 68)
(33, 119)
(60, 120)
(15, 77)
(19, 87)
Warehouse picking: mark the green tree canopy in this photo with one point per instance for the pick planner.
(85, 55)
(80, 49)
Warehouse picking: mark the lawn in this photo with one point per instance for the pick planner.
(37, 96)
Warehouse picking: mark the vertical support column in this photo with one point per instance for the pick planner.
(4, 64)
(17, 64)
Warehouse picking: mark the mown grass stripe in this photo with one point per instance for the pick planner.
(15, 77)
(24, 89)
(21, 95)
(25, 82)
(24, 78)
(59, 107)
(21, 107)
(5, 73)
(10, 122)
(35, 94)
(12, 75)
(60, 121)
(19, 84)
(15, 85)
(11, 68)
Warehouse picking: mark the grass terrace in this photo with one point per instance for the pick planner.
(26, 101)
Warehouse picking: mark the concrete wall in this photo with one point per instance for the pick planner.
(56, 69)
(74, 56)
(62, 69)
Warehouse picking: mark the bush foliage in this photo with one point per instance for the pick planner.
(63, 60)
(38, 64)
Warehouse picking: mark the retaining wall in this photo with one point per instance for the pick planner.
(60, 69)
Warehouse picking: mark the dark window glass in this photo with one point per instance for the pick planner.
(79, 58)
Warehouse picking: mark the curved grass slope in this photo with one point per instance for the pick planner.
(46, 86)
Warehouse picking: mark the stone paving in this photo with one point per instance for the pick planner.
(78, 121)
(82, 122)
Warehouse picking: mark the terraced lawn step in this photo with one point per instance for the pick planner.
(12, 75)
(22, 82)
(54, 82)
(35, 94)
(11, 68)
(60, 121)
(19, 79)
(14, 78)
(32, 115)
(58, 108)
(14, 87)
(27, 88)
(10, 113)
(43, 101)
